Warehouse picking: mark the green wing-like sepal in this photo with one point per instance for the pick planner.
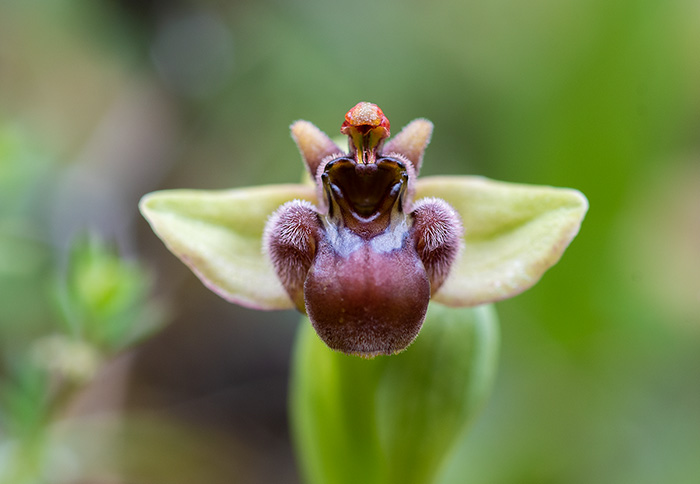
(513, 234)
(218, 234)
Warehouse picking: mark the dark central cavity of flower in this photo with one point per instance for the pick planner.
(364, 264)
(364, 194)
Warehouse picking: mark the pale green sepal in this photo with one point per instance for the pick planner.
(218, 234)
(392, 419)
(513, 234)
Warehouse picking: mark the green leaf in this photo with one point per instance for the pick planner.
(392, 419)
(218, 234)
(513, 234)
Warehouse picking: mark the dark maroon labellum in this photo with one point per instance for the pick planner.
(367, 302)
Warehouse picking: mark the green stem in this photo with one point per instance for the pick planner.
(393, 419)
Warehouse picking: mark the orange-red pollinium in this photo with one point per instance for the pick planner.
(367, 127)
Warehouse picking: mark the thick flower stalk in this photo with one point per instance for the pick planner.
(364, 248)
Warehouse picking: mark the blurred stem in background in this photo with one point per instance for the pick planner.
(103, 308)
(56, 327)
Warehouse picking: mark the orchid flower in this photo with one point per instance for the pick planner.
(365, 247)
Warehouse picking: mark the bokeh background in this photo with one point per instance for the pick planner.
(102, 101)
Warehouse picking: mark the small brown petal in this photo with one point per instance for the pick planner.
(411, 141)
(313, 144)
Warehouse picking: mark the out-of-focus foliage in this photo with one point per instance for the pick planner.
(598, 373)
(104, 299)
(24, 257)
(58, 325)
(105, 308)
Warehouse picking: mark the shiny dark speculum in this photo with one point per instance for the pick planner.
(364, 195)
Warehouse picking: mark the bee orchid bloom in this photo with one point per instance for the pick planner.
(365, 248)
(365, 261)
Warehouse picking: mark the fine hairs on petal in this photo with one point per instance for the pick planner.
(290, 241)
(438, 233)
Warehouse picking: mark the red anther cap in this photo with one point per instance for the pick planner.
(366, 116)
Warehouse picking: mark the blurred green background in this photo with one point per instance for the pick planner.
(103, 101)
